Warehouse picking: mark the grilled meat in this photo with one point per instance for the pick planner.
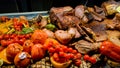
(64, 22)
(116, 21)
(61, 10)
(79, 12)
(97, 30)
(114, 36)
(110, 7)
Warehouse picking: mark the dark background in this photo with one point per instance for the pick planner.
(11, 6)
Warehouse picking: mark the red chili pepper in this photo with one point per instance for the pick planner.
(110, 50)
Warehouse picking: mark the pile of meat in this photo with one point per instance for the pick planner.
(85, 27)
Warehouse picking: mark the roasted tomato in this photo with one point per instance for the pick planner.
(27, 46)
(22, 59)
(39, 36)
(12, 50)
(37, 52)
(110, 50)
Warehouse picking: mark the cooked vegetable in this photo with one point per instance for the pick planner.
(39, 36)
(3, 56)
(37, 52)
(50, 27)
(12, 50)
(60, 65)
(22, 60)
(27, 30)
(4, 27)
(1, 62)
(110, 50)
(27, 46)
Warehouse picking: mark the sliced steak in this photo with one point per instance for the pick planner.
(116, 21)
(63, 22)
(79, 12)
(100, 11)
(59, 10)
(97, 31)
(85, 47)
(95, 15)
(114, 36)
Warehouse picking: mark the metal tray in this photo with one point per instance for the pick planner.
(29, 15)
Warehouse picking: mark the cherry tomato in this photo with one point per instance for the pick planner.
(51, 50)
(55, 56)
(86, 57)
(1, 36)
(78, 62)
(16, 40)
(57, 48)
(27, 36)
(9, 42)
(78, 55)
(21, 41)
(4, 43)
(71, 56)
(62, 60)
(6, 36)
(70, 50)
(74, 51)
(67, 56)
(13, 36)
(64, 48)
(61, 54)
(92, 60)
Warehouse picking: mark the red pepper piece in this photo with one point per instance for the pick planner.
(110, 50)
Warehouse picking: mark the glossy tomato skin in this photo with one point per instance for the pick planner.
(22, 59)
(92, 60)
(86, 57)
(78, 62)
(4, 43)
(110, 50)
(37, 52)
(12, 50)
(27, 46)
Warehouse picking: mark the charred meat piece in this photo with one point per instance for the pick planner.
(95, 15)
(49, 33)
(79, 12)
(61, 10)
(83, 33)
(36, 19)
(97, 31)
(43, 22)
(63, 22)
(85, 47)
(109, 23)
(110, 7)
(63, 36)
(114, 36)
(100, 11)
(116, 21)
(62, 17)
(66, 36)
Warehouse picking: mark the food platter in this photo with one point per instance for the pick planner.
(65, 37)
